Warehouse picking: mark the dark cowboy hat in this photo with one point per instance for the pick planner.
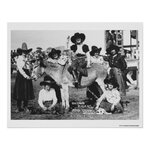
(112, 47)
(54, 51)
(78, 36)
(24, 49)
(47, 81)
(94, 50)
(112, 81)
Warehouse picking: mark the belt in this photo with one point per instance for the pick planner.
(80, 55)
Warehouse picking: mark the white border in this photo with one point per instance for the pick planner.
(78, 123)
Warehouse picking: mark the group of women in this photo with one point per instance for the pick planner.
(23, 89)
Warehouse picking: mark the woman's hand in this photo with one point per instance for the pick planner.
(88, 65)
(27, 77)
(49, 108)
(108, 70)
(44, 108)
(96, 108)
(112, 107)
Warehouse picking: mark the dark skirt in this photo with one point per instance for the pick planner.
(23, 89)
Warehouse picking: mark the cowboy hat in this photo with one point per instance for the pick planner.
(24, 49)
(47, 81)
(112, 47)
(54, 51)
(95, 49)
(78, 36)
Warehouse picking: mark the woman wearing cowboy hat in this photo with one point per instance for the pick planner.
(79, 65)
(23, 89)
(47, 96)
(95, 55)
(118, 66)
(110, 99)
(54, 55)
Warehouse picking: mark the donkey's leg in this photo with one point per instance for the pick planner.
(63, 97)
(65, 94)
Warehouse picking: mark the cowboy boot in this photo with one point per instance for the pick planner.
(79, 80)
(19, 107)
(75, 75)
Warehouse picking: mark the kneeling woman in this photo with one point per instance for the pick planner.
(47, 96)
(110, 99)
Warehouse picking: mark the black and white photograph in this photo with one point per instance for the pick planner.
(75, 74)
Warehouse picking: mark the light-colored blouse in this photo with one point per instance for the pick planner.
(112, 97)
(47, 96)
(61, 60)
(99, 60)
(21, 63)
(79, 49)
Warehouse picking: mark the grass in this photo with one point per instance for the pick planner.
(131, 112)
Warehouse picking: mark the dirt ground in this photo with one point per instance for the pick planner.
(131, 112)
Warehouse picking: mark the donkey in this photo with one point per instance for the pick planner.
(59, 72)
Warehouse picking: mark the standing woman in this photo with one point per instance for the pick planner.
(23, 89)
(118, 66)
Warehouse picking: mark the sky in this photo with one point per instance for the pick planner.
(54, 38)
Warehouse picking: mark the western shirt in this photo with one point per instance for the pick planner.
(47, 96)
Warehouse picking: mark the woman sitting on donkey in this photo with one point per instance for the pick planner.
(81, 59)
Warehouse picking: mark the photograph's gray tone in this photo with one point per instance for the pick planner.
(90, 75)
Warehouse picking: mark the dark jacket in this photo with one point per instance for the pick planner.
(118, 61)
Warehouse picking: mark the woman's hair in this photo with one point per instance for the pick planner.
(111, 81)
(47, 85)
(19, 52)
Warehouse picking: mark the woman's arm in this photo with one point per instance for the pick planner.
(20, 65)
(62, 60)
(117, 97)
(54, 99)
(40, 100)
(103, 96)
(88, 59)
(92, 60)
(101, 84)
(101, 60)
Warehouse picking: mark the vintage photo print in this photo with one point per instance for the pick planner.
(75, 74)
